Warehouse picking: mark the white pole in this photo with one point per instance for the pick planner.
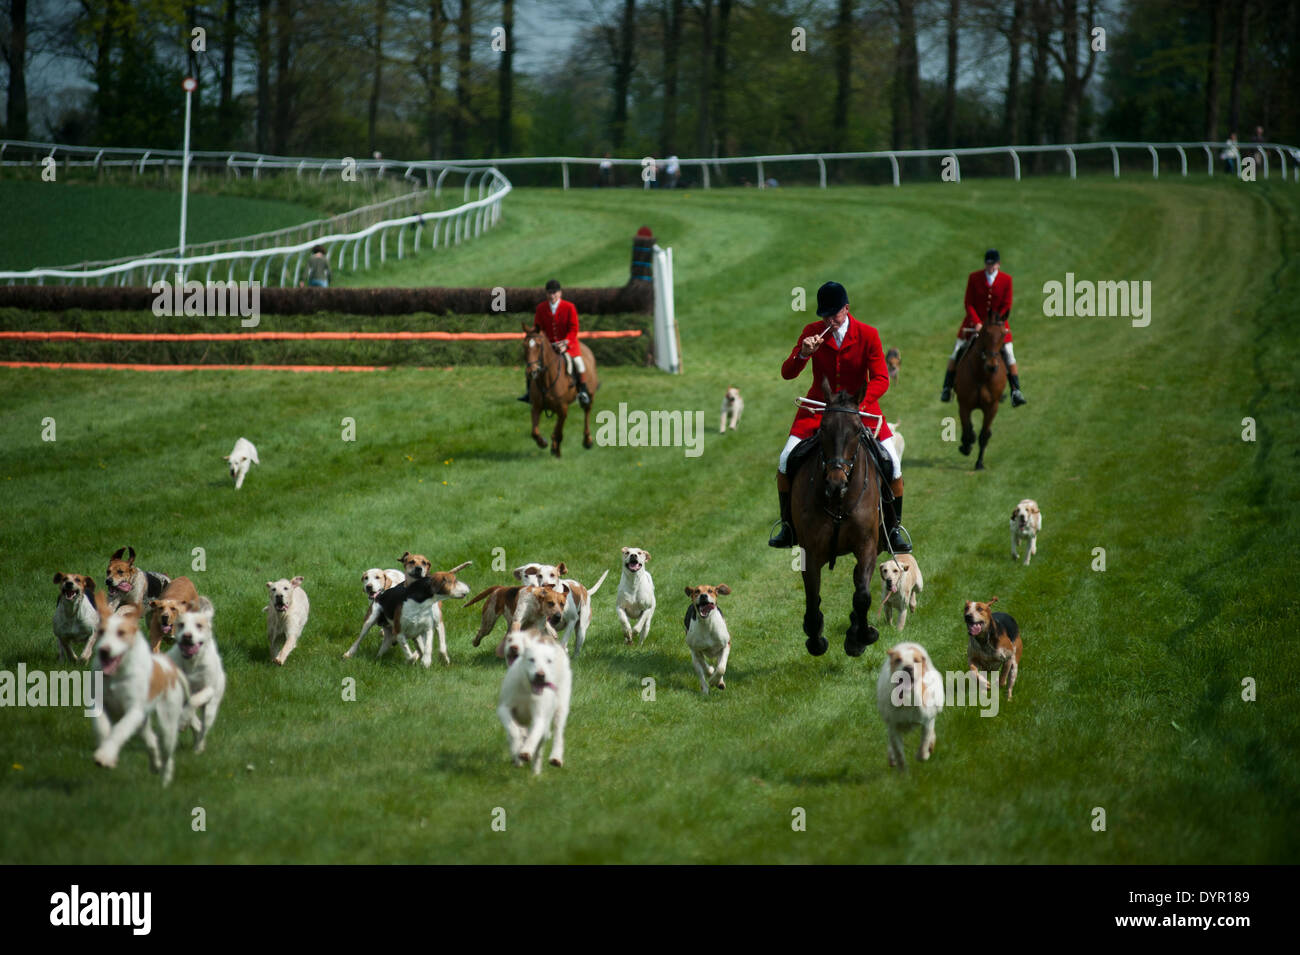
(189, 85)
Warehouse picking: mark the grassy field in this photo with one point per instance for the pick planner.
(1130, 690)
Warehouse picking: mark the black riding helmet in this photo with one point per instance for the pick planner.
(831, 297)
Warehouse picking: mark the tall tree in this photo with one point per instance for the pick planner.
(1067, 58)
(1040, 18)
(950, 87)
(1212, 70)
(283, 79)
(908, 74)
(1015, 38)
(433, 78)
(376, 76)
(15, 54)
(1238, 66)
(670, 12)
(843, 73)
(703, 121)
(623, 58)
(464, 61)
(226, 104)
(506, 80)
(720, 41)
(263, 74)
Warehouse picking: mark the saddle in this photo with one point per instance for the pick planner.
(876, 453)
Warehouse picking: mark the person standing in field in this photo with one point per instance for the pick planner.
(318, 268)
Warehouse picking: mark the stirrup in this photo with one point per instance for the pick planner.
(782, 534)
(900, 541)
(584, 397)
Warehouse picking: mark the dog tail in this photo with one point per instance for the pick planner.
(592, 591)
(487, 593)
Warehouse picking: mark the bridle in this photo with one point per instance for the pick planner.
(847, 464)
(538, 367)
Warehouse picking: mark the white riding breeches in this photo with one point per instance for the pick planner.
(1007, 347)
(888, 444)
(579, 365)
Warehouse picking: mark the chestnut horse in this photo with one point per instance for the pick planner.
(981, 378)
(552, 389)
(835, 507)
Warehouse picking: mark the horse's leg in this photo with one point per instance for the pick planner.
(861, 634)
(586, 427)
(558, 435)
(812, 615)
(986, 432)
(967, 429)
(537, 416)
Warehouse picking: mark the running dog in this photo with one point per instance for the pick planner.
(138, 685)
(286, 616)
(636, 595)
(177, 597)
(127, 584)
(909, 692)
(894, 361)
(240, 459)
(1026, 522)
(411, 608)
(534, 701)
(900, 583)
(195, 654)
(733, 406)
(994, 643)
(75, 616)
(374, 582)
(707, 636)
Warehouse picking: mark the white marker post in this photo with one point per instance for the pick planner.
(189, 84)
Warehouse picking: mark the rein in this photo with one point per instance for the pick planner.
(546, 386)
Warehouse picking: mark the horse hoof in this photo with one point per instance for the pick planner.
(816, 645)
(588, 443)
(979, 465)
(541, 443)
(964, 449)
(812, 625)
(856, 640)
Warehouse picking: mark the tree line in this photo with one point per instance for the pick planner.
(441, 78)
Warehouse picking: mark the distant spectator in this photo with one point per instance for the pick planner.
(605, 177)
(1229, 155)
(1258, 140)
(318, 268)
(771, 182)
(672, 172)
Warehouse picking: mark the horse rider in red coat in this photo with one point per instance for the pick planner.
(559, 320)
(987, 292)
(847, 353)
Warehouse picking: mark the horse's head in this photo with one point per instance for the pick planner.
(841, 438)
(536, 345)
(990, 339)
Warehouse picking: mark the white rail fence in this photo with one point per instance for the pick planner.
(15, 153)
(465, 221)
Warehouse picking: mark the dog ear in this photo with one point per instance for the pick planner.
(993, 601)
(894, 657)
(647, 556)
(626, 549)
(690, 591)
(225, 457)
(723, 589)
(58, 578)
(297, 581)
(88, 584)
(117, 554)
(101, 605)
(153, 604)
(561, 569)
(270, 585)
(130, 556)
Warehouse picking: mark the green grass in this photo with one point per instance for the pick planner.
(1130, 688)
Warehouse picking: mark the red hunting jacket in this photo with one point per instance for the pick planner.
(980, 297)
(562, 326)
(860, 358)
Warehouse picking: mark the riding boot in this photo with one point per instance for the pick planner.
(526, 398)
(1017, 398)
(948, 377)
(584, 396)
(784, 534)
(897, 534)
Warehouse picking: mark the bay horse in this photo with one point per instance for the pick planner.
(981, 379)
(551, 388)
(835, 508)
